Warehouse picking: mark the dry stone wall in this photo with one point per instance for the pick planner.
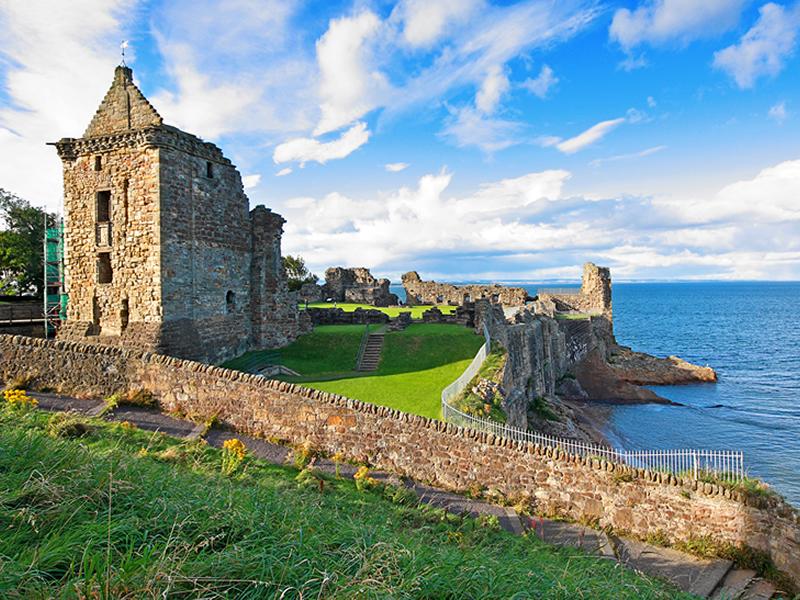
(634, 501)
(430, 292)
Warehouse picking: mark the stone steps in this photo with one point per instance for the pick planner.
(371, 357)
(743, 584)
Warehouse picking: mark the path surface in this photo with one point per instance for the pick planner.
(716, 579)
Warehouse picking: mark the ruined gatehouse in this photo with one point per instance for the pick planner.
(163, 252)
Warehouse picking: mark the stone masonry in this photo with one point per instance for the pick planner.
(357, 285)
(430, 292)
(550, 481)
(594, 298)
(163, 253)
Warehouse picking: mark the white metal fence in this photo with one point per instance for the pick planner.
(727, 465)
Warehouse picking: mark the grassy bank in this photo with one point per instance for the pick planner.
(417, 364)
(392, 311)
(122, 513)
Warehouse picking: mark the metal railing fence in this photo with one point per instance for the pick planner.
(725, 465)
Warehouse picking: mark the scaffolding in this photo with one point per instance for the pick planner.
(55, 297)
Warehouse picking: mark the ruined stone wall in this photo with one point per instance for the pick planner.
(464, 316)
(357, 285)
(430, 292)
(275, 317)
(594, 296)
(129, 173)
(554, 483)
(206, 251)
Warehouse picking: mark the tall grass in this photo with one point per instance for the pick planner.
(125, 514)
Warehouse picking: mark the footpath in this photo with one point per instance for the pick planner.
(717, 579)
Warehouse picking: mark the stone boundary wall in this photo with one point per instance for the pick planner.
(630, 501)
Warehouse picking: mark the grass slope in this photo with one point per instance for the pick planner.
(392, 311)
(417, 363)
(329, 349)
(97, 517)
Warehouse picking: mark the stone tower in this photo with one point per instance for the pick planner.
(162, 251)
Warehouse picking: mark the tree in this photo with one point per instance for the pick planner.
(21, 241)
(297, 273)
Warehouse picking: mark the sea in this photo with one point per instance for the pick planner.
(749, 332)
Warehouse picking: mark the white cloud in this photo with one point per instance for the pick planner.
(284, 172)
(541, 85)
(770, 197)
(778, 112)
(632, 62)
(467, 126)
(396, 167)
(58, 61)
(234, 68)
(588, 137)
(651, 102)
(528, 226)
(492, 89)
(425, 22)
(349, 86)
(251, 181)
(763, 50)
(304, 150)
(661, 21)
(641, 154)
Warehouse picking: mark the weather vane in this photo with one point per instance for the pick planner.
(122, 46)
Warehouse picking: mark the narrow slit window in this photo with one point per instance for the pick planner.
(230, 302)
(125, 187)
(124, 315)
(104, 272)
(103, 206)
(209, 169)
(98, 163)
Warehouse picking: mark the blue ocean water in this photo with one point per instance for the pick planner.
(749, 333)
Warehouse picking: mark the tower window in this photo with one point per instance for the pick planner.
(124, 315)
(98, 163)
(230, 302)
(103, 206)
(104, 272)
(209, 169)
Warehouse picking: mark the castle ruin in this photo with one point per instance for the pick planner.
(429, 292)
(162, 250)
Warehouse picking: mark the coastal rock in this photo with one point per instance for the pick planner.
(642, 369)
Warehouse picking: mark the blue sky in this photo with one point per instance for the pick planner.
(465, 139)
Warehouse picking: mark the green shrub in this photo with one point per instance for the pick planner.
(64, 425)
(541, 407)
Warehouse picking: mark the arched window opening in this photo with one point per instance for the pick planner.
(230, 302)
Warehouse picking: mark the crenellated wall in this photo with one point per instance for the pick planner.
(554, 483)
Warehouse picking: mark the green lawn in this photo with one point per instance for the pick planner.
(330, 349)
(121, 513)
(392, 311)
(416, 365)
